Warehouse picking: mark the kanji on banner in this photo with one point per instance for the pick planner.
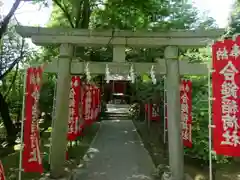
(154, 115)
(87, 104)
(98, 102)
(225, 86)
(74, 100)
(78, 96)
(32, 161)
(95, 101)
(2, 175)
(92, 104)
(186, 112)
(154, 111)
(81, 110)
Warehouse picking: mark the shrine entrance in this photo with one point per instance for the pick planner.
(118, 89)
(169, 65)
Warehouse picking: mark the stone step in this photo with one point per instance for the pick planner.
(115, 116)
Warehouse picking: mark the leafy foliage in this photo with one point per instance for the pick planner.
(148, 15)
(234, 24)
(143, 15)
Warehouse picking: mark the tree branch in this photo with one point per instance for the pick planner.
(11, 66)
(13, 81)
(7, 18)
(64, 10)
(16, 61)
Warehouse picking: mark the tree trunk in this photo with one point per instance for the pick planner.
(86, 12)
(10, 128)
(4, 110)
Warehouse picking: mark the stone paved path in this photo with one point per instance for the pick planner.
(118, 108)
(119, 154)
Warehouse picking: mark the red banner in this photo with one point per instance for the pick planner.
(225, 86)
(98, 102)
(87, 104)
(90, 103)
(78, 107)
(81, 109)
(2, 175)
(94, 103)
(186, 117)
(152, 110)
(74, 100)
(186, 112)
(32, 161)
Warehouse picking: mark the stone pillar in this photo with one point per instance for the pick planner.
(119, 53)
(60, 124)
(175, 143)
(118, 56)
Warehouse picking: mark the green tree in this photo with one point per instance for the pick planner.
(234, 23)
(135, 15)
(12, 52)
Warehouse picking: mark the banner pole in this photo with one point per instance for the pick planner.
(145, 112)
(164, 106)
(93, 102)
(210, 121)
(22, 126)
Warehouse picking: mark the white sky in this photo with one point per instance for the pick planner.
(218, 9)
(31, 15)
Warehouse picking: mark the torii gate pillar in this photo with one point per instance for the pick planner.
(60, 124)
(175, 143)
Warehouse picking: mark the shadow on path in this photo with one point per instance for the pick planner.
(117, 153)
